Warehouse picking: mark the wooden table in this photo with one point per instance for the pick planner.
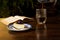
(51, 33)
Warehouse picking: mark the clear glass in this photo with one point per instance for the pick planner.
(41, 16)
(46, 1)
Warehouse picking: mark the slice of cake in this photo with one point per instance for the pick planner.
(18, 26)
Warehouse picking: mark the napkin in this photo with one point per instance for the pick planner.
(12, 19)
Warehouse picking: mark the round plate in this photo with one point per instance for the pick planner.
(11, 27)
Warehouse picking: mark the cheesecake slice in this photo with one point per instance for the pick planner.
(18, 26)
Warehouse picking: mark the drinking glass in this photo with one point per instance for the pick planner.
(41, 16)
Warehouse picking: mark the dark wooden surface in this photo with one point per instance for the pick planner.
(52, 32)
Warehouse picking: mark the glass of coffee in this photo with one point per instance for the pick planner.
(41, 16)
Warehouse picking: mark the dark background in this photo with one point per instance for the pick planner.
(26, 8)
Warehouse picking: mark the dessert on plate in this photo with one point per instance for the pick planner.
(19, 24)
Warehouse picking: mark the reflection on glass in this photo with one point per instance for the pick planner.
(37, 34)
(45, 27)
(41, 34)
(45, 32)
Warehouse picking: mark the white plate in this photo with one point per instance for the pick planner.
(11, 27)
